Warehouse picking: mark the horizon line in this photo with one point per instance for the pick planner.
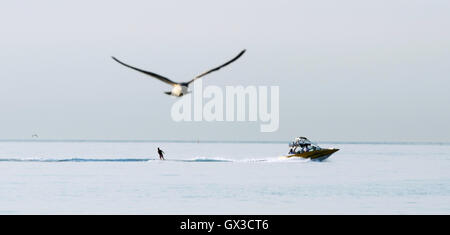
(227, 141)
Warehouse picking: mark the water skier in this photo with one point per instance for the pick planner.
(161, 154)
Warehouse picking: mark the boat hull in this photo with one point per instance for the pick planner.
(317, 155)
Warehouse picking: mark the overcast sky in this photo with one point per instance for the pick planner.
(347, 70)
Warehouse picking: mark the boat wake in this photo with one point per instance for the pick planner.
(74, 160)
(193, 160)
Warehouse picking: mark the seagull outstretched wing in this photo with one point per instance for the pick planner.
(217, 68)
(157, 76)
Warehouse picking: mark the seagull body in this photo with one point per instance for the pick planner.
(179, 89)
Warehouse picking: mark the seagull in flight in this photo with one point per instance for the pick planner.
(179, 88)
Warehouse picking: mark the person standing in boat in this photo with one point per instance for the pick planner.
(291, 151)
(161, 154)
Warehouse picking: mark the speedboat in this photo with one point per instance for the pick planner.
(308, 150)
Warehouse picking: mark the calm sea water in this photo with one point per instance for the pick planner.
(219, 178)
